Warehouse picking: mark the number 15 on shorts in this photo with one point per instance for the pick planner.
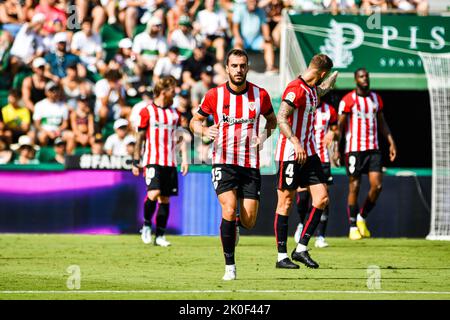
(216, 176)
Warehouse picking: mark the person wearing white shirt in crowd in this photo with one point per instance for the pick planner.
(116, 144)
(110, 103)
(51, 117)
(28, 43)
(150, 45)
(88, 46)
(168, 66)
(212, 25)
(183, 38)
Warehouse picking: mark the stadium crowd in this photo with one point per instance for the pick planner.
(75, 74)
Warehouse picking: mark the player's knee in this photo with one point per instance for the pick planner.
(153, 194)
(229, 211)
(377, 188)
(322, 202)
(284, 206)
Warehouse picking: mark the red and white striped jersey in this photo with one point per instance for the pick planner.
(362, 122)
(238, 115)
(304, 100)
(326, 116)
(160, 143)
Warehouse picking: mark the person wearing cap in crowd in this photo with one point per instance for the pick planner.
(116, 144)
(15, 115)
(110, 103)
(28, 43)
(82, 122)
(51, 118)
(183, 38)
(59, 148)
(212, 24)
(150, 45)
(33, 87)
(202, 86)
(193, 66)
(88, 46)
(58, 61)
(51, 13)
(126, 61)
(26, 151)
(168, 66)
(75, 86)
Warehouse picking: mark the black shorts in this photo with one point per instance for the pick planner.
(326, 167)
(357, 163)
(162, 178)
(247, 181)
(292, 175)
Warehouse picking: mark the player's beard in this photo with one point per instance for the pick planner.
(238, 83)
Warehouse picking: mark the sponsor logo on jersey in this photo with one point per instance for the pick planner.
(231, 120)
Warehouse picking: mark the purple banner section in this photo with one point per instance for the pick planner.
(100, 202)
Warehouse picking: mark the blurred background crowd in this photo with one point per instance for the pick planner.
(75, 74)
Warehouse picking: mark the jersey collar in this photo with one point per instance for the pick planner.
(237, 93)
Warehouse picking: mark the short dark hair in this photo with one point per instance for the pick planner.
(15, 93)
(236, 52)
(322, 62)
(88, 20)
(164, 83)
(358, 70)
(113, 74)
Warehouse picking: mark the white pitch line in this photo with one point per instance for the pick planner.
(219, 291)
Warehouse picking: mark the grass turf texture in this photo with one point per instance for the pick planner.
(124, 263)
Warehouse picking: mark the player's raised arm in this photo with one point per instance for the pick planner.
(327, 84)
(384, 128)
(286, 129)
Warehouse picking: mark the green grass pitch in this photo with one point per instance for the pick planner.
(122, 267)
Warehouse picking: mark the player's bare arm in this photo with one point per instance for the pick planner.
(271, 125)
(327, 85)
(285, 128)
(197, 127)
(140, 137)
(384, 128)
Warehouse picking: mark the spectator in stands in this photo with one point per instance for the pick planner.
(6, 41)
(16, 116)
(51, 118)
(368, 6)
(49, 39)
(338, 6)
(150, 45)
(116, 144)
(82, 122)
(126, 61)
(212, 25)
(28, 43)
(97, 146)
(5, 153)
(174, 14)
(33, 87)
(88, 46)
(110, 93)
(26, 151)
(201, 87)
(60, 151)
(273, 9)
(52, 13)
(75, 86)
(4, 132)
(130, 12)
(193, 66)
(131, 144)
(168, 66)
(29, 8)
(61, 59)
(183, 38)
(11, 16)
(251, 31)
(421, 6)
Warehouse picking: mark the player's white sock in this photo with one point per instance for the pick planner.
(359, 218)
(353, 228)
(301, 248)
(282, 256)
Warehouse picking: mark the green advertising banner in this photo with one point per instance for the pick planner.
(387, 45)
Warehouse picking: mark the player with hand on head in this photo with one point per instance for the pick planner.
(299, 164)
(236, 107)
(361, 116)
(158, 125)
(325, 133)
